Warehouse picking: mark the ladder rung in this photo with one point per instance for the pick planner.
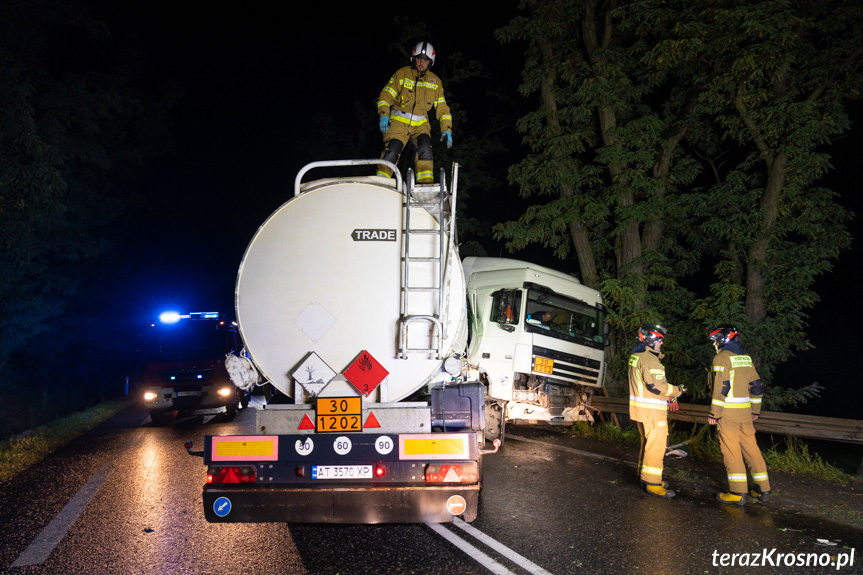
(422, 260)
(422, 289)
(423, 232)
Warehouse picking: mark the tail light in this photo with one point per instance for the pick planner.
(452, 473)
(241, 474)
(380, 470)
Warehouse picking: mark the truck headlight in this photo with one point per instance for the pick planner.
(225, 391)
(150, 395)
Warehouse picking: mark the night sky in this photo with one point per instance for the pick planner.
(254, 79)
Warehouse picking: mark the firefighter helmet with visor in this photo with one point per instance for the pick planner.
(424, 50)
(651, 333)
(723, 335)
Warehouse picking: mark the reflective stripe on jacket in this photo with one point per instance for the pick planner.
(649, 391)
(736, 387)
(408, 97)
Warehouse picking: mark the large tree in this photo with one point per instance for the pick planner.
(776, 80)
(605, 148)
(668, 132)
(74, 118)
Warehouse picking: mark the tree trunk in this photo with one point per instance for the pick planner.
(577, 230)
(756, 306)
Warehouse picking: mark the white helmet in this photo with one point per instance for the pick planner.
(423, 49)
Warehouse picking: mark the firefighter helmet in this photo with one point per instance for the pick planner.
(424, 49)
(723, 335)
(651, 333)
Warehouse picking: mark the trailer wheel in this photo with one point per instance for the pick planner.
(495, 422)
(232, 410)
(157, 416)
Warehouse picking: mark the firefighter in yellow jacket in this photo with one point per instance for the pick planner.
(735, 403)
(649, 397)
(403, 108)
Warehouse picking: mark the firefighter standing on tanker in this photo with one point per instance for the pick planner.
(735, 403)
(650, 398)
(403, 108)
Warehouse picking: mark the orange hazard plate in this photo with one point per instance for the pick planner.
(339, 414)
(543, 365)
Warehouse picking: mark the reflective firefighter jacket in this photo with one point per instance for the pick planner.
(737, 388)
(649, 391)
(408, 97)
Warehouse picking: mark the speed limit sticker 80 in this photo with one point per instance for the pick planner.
(339, 414)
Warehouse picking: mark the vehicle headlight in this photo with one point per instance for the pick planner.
(225, 391)
(150, 395)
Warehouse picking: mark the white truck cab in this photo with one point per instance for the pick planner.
(537, 338)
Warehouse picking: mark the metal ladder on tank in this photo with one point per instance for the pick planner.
(435, 320)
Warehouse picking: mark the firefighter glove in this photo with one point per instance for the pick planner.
(385, 124)
(448, 137)
(673, 405)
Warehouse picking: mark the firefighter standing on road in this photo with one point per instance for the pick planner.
(649, 397)
(403, 109)
(735, 403)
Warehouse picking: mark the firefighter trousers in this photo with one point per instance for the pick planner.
(739, 451)
(397, 138)
(654, 440)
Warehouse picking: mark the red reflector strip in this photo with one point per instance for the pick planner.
(452, 473)
(244, 474)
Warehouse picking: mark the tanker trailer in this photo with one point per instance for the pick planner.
(350, 299)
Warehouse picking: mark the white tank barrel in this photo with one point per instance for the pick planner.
(324, 275)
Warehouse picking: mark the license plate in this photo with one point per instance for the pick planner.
(339, 414)
(341, 471)
(543, 365)
(187, 393)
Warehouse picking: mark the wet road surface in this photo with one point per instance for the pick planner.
(131, 498)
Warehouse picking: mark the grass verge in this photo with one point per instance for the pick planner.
(19, 453)
(701, 441)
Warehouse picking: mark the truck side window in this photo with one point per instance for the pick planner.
(506, 307)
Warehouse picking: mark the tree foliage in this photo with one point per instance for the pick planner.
(670, 136)
(73, 119)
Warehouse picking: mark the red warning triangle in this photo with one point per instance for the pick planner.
(372, 421)
(306, 423)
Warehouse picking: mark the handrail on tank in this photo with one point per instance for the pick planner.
(429, 318)
(338, 163)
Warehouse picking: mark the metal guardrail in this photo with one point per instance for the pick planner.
(811, 426)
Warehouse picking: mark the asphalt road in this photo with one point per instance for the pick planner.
(126, 498)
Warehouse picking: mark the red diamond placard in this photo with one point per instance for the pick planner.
(365, 373)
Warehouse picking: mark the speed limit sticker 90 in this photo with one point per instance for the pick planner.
(384, 444)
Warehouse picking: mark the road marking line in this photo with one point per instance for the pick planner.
(519, 560)
(489, 563)
(50, 537)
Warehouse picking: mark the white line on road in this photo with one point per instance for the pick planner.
(519, 560)
(44, 544)
(491, 564)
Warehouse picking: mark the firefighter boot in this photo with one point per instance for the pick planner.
(756, 493)
(659, 490)
(733, 498)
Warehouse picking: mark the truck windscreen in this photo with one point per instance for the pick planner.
(564, 318)
(192, 340)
